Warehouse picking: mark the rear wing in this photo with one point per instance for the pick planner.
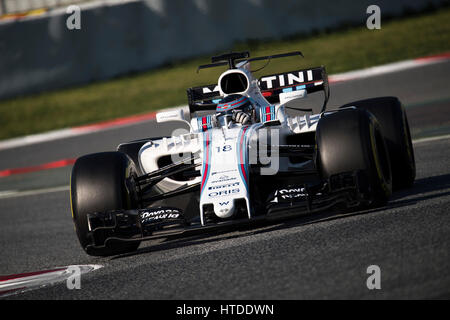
(205, 98)
(312, 80)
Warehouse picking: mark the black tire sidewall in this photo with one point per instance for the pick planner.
(346, 141)
(380, 165)
(99, 184)
(393, 121)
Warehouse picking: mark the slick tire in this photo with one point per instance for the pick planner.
(351, 140)
(393, 122)
(101, 182)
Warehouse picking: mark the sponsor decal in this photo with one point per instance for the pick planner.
(223, 179)
(292, 190)
(152, 215)
(298, 93)
(285, 79)
(229, 185)
(222, 193)
(291, 193)
(217, 172)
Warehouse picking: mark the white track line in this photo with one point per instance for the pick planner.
(374, 71)
(382, 70)
(430, 139)
(17, 193)
(36, 138)
(30, 281)
(347, 76)
(75, 131)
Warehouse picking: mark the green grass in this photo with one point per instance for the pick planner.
(339, 51)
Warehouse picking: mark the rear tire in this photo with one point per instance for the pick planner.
(102, 182)
(392, 118)
(351, 140)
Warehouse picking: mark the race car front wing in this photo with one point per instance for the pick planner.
(339, 192)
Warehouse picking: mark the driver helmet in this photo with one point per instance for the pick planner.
(234, 102)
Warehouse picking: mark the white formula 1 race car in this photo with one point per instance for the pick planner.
(242, 160)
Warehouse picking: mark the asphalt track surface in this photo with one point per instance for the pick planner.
(409, 239)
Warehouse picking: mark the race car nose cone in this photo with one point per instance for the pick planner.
(224, 209)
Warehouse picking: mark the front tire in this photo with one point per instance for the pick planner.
(351, 140)
(391, 116)
(101, 182)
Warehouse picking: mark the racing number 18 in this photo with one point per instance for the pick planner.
(224, 148)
